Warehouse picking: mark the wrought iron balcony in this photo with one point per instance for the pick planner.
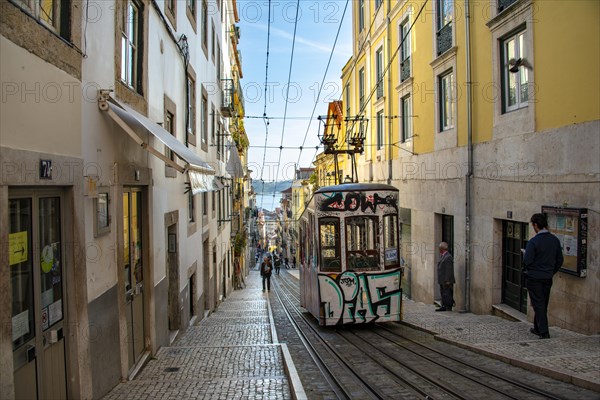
(228, 92)
(444, 39)
(380, 88)
(405, 69)
(504, 4)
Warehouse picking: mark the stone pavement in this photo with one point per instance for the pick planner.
(232, 354)
(567, 356)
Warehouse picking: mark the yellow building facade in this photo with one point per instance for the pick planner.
(482, 113)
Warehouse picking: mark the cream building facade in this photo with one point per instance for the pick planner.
(117, 186)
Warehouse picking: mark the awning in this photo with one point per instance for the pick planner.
(200, 173)
(234, 164)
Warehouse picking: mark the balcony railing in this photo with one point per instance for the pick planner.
(405, 69)
(380, 88)
(444, 39)
(504, 4)
(228, 92)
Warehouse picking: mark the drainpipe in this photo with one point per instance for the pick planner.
(469, 176)
(389, 90)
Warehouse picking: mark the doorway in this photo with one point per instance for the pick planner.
(514, 238)
(133, 273)
(37, 265)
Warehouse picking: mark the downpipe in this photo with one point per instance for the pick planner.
(469, 175)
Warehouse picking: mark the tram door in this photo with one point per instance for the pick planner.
(133, 274)
(38, 286)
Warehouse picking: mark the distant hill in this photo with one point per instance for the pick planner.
(270, 187)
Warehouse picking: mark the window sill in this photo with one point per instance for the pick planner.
(442, 58)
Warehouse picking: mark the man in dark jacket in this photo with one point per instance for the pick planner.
(266, 268)
(445, 273)
(543, 258)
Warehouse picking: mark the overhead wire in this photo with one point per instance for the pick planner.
(286, 98)
(265, 120)
(323, 80)
(380, 80)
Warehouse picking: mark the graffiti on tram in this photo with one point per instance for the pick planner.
(352, 201)
(360, 297)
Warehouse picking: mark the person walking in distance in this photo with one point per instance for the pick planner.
(542, 259)
(445, 272)
(266, 268)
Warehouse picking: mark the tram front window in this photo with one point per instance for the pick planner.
(329, 237)
(362, 243)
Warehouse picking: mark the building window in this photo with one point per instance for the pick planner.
(205, 26)
(171, 12)
(54, 14)
(213, 203)
(444, 11)
(169, 127)
(213, 126)
(404, 50)
(218, 63)
(191, 5)
(191, 108)
(379, 129)
(406, 118)
(191, 207)
(190, 11)
(361, 15)
(347, 100)
(446, 101)
(361, 89)
(379, 71)
(205, 203)
(378, 4)
(204, 120)
(130, 45)
(214, 41)
(515, 75)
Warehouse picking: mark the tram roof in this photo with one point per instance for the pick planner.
(354, 187)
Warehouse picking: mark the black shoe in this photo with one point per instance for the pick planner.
(532, 330)
(544, 336)
(441, 309)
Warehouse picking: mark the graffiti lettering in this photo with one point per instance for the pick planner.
(352, 201)
(357, 298)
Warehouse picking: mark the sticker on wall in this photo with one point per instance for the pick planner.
(47, 259)
(55, 311)
(45, 322)
(17, 245)
(20, 325)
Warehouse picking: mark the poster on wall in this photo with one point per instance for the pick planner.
(570, 227)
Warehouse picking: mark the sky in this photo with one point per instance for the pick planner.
(318, 24)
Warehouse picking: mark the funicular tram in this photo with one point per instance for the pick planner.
(350, 270)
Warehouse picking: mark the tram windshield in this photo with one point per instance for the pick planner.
(329, 237)
(362, 243)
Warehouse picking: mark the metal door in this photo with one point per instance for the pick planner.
(514, 238)
(133, 274)
(36, 261)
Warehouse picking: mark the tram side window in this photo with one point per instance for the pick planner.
(390, 240)
(329, 242)
(362, 243)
